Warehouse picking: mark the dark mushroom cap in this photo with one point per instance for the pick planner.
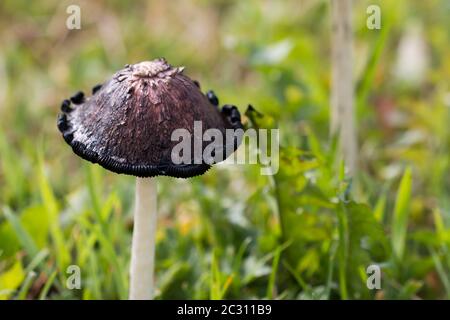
(126, 125)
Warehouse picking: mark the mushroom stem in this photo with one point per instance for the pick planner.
(342, 84)
(143, 245)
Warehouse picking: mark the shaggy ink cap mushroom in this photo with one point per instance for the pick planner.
(127, 123)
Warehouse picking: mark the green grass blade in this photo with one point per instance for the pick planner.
(37, 260)
(26, 285)
(48, 285)
(380, 208)
(11, 170)
(441, 271)
(331, 264)
(109, 252)
(342, 250)
(368, 75)
(25, 239)
(400, 216)
(272, 279)
(51, 207)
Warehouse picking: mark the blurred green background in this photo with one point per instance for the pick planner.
(308, 232)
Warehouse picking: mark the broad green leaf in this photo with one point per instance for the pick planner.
(10, 280)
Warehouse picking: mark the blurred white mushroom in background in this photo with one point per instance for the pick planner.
(413, 57)
(447, 99)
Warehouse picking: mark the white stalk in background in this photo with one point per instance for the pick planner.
(342, 86)
(413, 58)
(143, 244)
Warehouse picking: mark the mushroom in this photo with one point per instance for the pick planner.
(126, 127)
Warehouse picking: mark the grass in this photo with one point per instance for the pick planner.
(306, 233)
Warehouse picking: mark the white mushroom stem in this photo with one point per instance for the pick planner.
(342, 88)
(143, 245)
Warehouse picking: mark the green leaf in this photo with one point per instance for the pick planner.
(22, 295)
(52, 210)
(361, 241)
(272, 279)
(380, 208)
(34, 220)
(22, 234)
(47, 285)
(11, 280)
(9, 244)
(400, 217)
